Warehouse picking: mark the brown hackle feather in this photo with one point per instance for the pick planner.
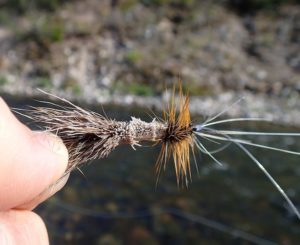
(178, 139)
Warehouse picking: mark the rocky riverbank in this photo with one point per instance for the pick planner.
(273, 109)
(127, 52)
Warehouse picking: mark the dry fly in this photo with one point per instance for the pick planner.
(89, 135)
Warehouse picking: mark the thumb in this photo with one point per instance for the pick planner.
(22, 227)
(29, 161)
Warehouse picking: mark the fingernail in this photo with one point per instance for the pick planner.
(52, 142)
(55, 145)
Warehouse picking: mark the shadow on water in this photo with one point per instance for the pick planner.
(116, 201)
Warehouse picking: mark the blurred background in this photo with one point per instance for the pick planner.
(123, 54)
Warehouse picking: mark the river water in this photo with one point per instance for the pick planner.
(116, 201)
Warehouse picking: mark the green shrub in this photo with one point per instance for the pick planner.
(43, 82)
(135, 88)
(46, 31)
(127, 4)
(140, 89)
(55, 31)
(3, 80)
(76, 89)
(133, 56)
(73, 85)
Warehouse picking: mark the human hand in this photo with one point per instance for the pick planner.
(29, 163)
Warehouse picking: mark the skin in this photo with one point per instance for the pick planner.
(30, 162)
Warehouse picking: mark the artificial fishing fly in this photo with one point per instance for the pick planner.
(89, 135)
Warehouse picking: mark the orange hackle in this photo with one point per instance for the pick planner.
(178, 138)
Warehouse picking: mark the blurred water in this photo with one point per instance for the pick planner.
(116, 201)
